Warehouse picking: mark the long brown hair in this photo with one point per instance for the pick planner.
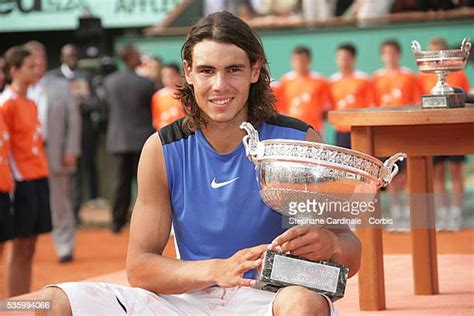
(226, 28)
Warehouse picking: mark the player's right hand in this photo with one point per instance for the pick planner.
(229, 272)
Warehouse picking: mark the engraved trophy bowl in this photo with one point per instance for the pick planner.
(441, 63)
(295, 171)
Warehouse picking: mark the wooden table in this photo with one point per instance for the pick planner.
(421, 133)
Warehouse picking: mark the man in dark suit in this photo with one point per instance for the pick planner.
(128, 99)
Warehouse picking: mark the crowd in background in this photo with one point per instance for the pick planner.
(261, 11)
(50, 122)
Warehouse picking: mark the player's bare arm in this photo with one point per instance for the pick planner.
(149, 232)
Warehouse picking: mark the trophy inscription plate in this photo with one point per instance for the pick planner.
(454, 100)
(280, 269)
(311, 275)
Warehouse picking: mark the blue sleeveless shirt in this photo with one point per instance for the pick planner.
(217, 209)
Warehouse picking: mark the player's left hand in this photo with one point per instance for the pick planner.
(307, 241)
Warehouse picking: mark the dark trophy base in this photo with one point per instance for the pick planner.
(452, 100)
(279, 270)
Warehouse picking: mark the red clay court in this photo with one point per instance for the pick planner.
(99, 252)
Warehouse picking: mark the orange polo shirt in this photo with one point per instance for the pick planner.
(6, 179)
(28, 157)
(454, 79)
(351, 92)
(306, 98)
(165, 109)
(279, 104)
(396, 88)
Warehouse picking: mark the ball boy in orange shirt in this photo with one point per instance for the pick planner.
(350, 89)
(394, 84)
(302, 93)
(27, 161)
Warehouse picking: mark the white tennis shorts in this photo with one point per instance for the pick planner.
(95, 298)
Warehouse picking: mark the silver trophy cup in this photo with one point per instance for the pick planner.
(441, 63)
(291, 171)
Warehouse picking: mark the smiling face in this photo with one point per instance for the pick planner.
(221, 76)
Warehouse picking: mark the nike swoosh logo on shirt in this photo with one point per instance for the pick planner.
(217, 185)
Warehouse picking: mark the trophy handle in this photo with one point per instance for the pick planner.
(415, 47)
(391, 167)
(251, 142)
(466, 46)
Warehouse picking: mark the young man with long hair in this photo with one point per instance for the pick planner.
(194, 174)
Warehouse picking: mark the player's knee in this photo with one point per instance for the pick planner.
(58, 300)
(296, 300)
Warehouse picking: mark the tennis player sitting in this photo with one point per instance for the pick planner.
(194, 174)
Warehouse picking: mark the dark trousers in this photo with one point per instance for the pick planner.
(86, 166)
(126, 170)
(343, 140)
